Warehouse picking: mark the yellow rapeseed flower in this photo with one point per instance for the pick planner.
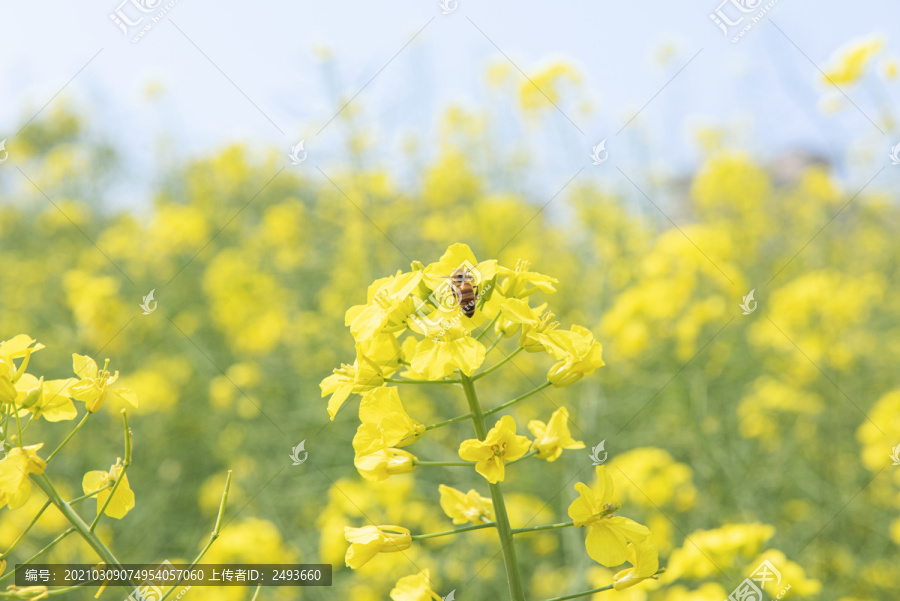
(15, 486)
(369, 541)
(516, 284)
(46, 398)
(644, 560)
(385, 422)
(852, 61)
(577, 352)
(443, 350)
(389, 305)
(122, 502)
(466, 507)
(416, 587)
(376, 359)
(17, 347)
(384, 463)
(491, 455)
(551, 438)
(95, 384)
(608, 535)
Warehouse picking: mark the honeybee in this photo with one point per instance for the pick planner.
(464, 290)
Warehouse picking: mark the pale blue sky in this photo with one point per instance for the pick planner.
(763, 87)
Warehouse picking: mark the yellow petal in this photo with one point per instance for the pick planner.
(605, 546)
(84, 366)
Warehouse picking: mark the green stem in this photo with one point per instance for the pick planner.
(24, 532)
(455, 531)
(448, 422)
(608, 587)
(256, 594)
(120, 476)
(516, 590)
(212, 537)
(498, 365)
(18, 426)
(405, 381)
(493, 346)
(90, 494)
(488, 327)
(69, 437)
(523, 457)
(443, 463)
(547, 527)
(90, 538)
(38, 554)
(517, 399)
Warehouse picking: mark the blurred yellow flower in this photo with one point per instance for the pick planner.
(122, 501)
(705, 552)
(541, 90)
(551, 438)
(608, 535)
(369, 541)
(384, 463)
(95, 385)
(466, 507)
(385, 422)
(15, 486)
(414, 588)
(851, 61)
(501, 445)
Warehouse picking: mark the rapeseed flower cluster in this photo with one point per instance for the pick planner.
(429, 326)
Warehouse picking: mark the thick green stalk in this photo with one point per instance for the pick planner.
(90, 538)
(516, 590)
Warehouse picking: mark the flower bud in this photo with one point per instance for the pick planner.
(385, 463)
